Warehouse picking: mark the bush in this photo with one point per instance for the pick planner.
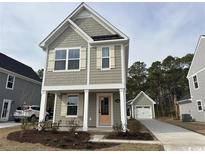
(55, 126)
(118, 128)
(72, 125)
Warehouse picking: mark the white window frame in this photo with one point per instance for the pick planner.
(105, 57)
(13, 83)
(202, 108)
(60, 49)
(72, 116)
(196, 81)
(67, 59)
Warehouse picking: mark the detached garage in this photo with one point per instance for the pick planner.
(142, 107)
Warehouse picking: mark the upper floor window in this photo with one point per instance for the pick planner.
(72, 105)
(196, 85)
(73, 59)
(105, 58)
(67, 59)
(60, 60)
(10, 82)
(200, 106)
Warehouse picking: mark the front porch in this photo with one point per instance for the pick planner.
(92, 110)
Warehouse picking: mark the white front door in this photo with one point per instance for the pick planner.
(143, 112)
(5, 111)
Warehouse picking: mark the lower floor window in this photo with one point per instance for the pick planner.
(72, 105)
(200, 107)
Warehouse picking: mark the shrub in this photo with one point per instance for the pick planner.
(72, 125)
(118, 128)
(55, 126)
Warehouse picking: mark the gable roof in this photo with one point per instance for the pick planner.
(15, 66)
(198, 63)
(59, 28)
(142, 93)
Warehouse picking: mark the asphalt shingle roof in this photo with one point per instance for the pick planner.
(15, 66)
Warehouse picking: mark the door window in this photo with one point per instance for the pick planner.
(105, 106)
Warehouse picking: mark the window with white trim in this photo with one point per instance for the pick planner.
(200, 106)
(10, 82)
(67, 59)
(105, 57)
(196, 85)
(60, 60)
(73, 59)
(72, 105)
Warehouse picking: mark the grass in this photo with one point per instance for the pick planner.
(198, 127)
(9, 145)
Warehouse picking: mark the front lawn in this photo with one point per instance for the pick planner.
(136, 131)
(198, 127)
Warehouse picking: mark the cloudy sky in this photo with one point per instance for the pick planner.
(156, 30)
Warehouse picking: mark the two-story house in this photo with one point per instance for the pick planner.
(196, 78)
(19, 85)
(87, 61)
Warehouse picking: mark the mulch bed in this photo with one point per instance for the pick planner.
(64, 140)
(130, 136)
(137, 131)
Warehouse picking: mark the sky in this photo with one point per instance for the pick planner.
(156, 30)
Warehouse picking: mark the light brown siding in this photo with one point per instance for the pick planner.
(91, 27)
(98, 76)
(69, 38)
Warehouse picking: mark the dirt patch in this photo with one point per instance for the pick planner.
(63, 140)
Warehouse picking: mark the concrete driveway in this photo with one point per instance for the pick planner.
(8, 124)
(175, 138)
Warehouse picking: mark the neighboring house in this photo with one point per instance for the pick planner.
(142, 107)
(196, 78)
(87, 61)
(186, 107)
(19, 85)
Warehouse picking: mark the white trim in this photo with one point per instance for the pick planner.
(13, 83)
(9, 108)
(197, 81)
(67, 59)
(54, 109)
(19, 76)
(203, 69)
(88, 65)
(85, 114)
(83, 87)
(97, 108)
(123, 65)
(108, 41)
(153, 102)
(196, 51)
(201, 105)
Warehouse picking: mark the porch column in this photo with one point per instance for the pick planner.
(43, 106)
(85, 116)
(123, 109)
(54, 108)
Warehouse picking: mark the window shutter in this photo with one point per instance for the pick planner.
(64, 106)
(51, 60)
(83, 58)
(112, 56)
(99, 58)
(80, 105)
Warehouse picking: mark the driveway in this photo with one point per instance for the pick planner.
(8, 124)
(175, 138)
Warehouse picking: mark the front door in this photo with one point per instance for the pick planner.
(104, 110)
(5, 110)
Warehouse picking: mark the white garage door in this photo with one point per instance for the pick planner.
(143, 112)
